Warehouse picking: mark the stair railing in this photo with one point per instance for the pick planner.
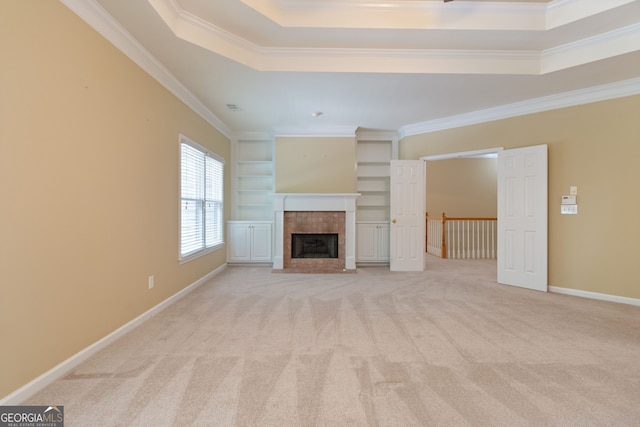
(466, 238)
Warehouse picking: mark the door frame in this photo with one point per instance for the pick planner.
(460, 155)
(464, 154)
(470, 154)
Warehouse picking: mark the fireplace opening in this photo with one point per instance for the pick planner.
(314, 245)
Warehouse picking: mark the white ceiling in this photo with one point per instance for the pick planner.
(397, 65)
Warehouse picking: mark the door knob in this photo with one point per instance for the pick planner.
(393, 220)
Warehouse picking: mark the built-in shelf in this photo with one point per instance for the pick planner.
(373, 157)
(253, 182)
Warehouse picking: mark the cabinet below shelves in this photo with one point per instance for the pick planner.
(372, 242)
(249, 241)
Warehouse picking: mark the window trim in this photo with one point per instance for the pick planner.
(205, 250)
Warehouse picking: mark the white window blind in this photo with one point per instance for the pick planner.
(201, 210)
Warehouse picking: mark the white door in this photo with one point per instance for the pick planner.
(522, 217)
(407, 208)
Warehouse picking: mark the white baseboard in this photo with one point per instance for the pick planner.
(595, 295)
(34, 386)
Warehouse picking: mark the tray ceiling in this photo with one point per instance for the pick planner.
(373, 64)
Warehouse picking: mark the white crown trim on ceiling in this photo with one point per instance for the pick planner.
(538, 105)
(563, 12)
(602, 46)
(418, 15)
(428, 14)
(330, 131)
(202, 33)
(101, 21)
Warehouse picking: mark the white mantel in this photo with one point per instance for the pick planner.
(344, 202)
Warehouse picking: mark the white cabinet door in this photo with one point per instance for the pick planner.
(239, 242)
(249, 241)
(383, 242)
(261, 242)
(372, 242)
(366, 242)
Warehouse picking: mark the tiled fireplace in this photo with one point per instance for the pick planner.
(316, 222)
(315, 231)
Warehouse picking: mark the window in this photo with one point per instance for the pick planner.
(201, 212)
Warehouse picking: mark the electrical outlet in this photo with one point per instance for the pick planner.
(151, 280)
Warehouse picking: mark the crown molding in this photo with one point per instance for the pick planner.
(101, 21)
(494, 15)
(309, 132)
(623, 40)
(376, 135)
(252, 136)
(411, 14)
(563, 100)
(422, 61)
(606, 45)
(206, 35)
(563, 12)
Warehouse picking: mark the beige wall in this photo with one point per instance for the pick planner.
(462, 187)
(89, 187)
(315, 165)
(595, 147)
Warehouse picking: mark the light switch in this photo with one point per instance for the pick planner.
(569, 209)
(573, 190)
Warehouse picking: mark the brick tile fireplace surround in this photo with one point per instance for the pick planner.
(316, 222)
(314, 213)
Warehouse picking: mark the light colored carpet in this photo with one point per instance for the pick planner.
(446, 347)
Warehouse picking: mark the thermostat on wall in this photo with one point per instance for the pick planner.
(568, 200)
